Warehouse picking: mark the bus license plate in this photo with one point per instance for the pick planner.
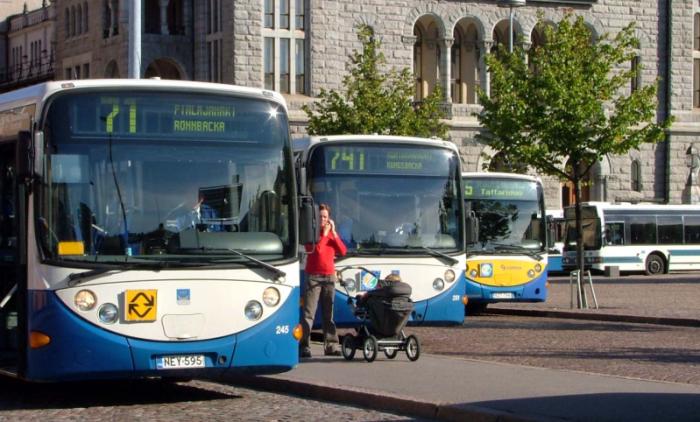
(502, 295)
(180, 362)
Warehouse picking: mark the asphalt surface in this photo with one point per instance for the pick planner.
(636, 358)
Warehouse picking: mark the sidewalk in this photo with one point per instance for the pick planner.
(456, 389)
(444, 388)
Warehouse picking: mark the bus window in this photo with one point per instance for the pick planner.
(642, 230)
(692, 230)
(670, 230)
(615, 233)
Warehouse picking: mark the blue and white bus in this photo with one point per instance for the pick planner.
(649, 238)
(398, 208)
(508, 263)
(109, 268)
(556, 226)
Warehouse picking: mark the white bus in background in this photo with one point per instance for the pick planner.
(556, 229)
(653, 239)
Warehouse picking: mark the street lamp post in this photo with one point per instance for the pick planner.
(510, 4)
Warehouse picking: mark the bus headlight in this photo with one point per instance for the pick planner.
(449, 276)
(538, 267)
(271, 296)
(486, 269)
(253, 310)
(108, 313)
(472, 273)
(85, 300)
(438, 284)
(349, 284)
(531, 273)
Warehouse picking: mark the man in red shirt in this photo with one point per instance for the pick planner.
(320, 284)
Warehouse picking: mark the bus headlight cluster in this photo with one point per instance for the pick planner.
(108, 313)
(438, 284)
(85, 300)
(486, 269)
(349, 284)
(449, 276)
(271, 296)
(253, 310)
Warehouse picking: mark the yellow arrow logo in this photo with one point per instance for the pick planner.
(141, 305)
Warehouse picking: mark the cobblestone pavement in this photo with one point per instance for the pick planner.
(646, 351)
(161, 401)
(670, 296)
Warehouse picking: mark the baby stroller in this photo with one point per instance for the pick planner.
(383, 314)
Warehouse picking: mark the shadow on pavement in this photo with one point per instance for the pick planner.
(16, 394)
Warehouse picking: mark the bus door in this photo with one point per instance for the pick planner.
(12, 263)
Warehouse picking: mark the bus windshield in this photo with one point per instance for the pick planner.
(153, 175)
(510, 213)
(390, 197)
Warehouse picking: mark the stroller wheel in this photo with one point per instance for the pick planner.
(412, 348)
(369, 348)
(391, 352)
(348, 346)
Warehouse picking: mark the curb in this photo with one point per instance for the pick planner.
(380, 402)
(680, 322)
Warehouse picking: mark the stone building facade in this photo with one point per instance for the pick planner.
(299, 47)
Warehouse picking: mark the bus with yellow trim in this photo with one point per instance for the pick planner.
(148, 229)
(508, 262)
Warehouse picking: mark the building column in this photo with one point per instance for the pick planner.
(409, 41)
(446, 70)
(486, 79)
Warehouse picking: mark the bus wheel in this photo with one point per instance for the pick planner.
(654, 265)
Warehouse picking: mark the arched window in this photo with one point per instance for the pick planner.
(79, 20)
(465, 63)
(85, 17)
(636, 176)
(67, 24)
(72, 21)
(426, 56)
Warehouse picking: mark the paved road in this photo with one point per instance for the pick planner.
(157, 401)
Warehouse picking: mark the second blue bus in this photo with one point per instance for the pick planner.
(398, 207)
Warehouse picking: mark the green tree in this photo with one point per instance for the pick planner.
(570, 105)
(375, 102)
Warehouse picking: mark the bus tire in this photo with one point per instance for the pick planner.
(655, 265)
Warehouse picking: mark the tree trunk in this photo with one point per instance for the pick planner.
(580, 263)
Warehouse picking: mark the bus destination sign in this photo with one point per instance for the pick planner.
(500, 189)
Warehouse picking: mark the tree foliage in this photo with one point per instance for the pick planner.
(571, 104)
(375, 102)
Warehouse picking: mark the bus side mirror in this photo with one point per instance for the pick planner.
(472, 228)
(308, 218)
(30, 154)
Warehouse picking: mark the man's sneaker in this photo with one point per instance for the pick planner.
(305, 353)
(332, 352)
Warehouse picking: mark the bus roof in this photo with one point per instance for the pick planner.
(37, 93)
(491, 175)
(306, 142)
(639, 206)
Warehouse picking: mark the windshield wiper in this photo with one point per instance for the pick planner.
(518, 249)
(77, 278)
(450, 260)
(276, 271)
